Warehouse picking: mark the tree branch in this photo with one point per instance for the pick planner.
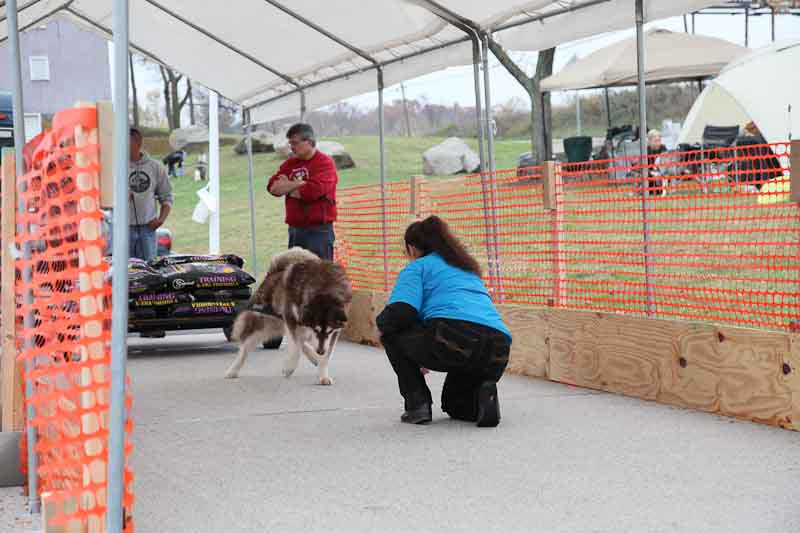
(510, 65)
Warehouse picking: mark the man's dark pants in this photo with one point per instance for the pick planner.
(317, 239)
(470, 354)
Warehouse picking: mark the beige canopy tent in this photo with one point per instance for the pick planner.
(761, 86)
(671, 56)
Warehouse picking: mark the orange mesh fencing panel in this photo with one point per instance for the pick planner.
(708, 235)
(67, 351)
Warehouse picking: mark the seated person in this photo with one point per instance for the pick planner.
(440, 317)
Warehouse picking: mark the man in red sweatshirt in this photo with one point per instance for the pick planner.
(308, 181)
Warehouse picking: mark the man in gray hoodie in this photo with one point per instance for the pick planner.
(147, 183)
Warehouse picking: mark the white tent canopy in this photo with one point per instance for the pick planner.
(761, 86)
(265, 54)
(671, 56)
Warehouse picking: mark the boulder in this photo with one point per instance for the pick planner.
(263, 143)
(452, 156)
(182, 137)
(337, 152)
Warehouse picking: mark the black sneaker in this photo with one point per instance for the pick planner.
(419, 415)
(488, 405)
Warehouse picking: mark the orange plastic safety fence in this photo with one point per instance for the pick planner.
(67, 351)
(705, 235)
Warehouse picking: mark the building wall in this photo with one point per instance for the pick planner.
(79, 68)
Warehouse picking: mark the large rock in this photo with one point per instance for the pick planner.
(263, 143)
(452, 156)
(337, 152)
(182, 137)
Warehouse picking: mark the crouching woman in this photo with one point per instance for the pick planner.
(440, 317)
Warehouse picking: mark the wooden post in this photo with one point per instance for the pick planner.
(552, 188)
(105, 134)
(11, 397)
(415, 197)
(794, 163)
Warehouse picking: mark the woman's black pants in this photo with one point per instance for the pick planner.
(470, 354)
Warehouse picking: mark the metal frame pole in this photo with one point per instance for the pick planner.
(488, 107)
(213, 171)
(608, 107)
(384, 214)
(28, 320)
(641, 62)
(119, 300)
(747, 26)
(253, 248)
(16, 80)
(772, 23)
(476, 59)
(492, 164)
(476, 62)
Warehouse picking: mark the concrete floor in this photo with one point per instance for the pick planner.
(263, 453)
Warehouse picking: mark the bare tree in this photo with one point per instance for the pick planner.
(540, 106)
(134, 92)
(174, 104)
(191, 101)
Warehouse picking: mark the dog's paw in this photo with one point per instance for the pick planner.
(326, 380)
(231, 374)
(287, 371)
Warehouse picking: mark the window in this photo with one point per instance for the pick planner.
(40, 68)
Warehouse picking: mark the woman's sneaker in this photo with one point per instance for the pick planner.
(488, 405)
(420, 415)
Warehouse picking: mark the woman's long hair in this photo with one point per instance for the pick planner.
(433, 235)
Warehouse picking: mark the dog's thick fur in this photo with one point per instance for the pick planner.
(311, 296)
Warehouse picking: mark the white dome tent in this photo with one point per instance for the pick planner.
(761, 86)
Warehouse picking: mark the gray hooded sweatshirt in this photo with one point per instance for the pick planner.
(147, 182)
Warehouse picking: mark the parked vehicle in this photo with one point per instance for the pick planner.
(6, 120)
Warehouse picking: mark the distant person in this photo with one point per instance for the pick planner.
(759, 163)
(441, 317)
(308, 181)
(654, 149)
(148, 184)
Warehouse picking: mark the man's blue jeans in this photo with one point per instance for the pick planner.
(316, 239)
(142, 242)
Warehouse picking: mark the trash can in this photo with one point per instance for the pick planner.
(578, 149)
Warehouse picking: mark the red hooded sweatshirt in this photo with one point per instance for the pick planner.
(317, 204)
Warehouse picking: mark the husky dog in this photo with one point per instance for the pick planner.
(304, 295)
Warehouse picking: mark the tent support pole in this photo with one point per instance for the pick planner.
(494, 257)
(253, 248)
(119, 299)
(640, 62)
(384, 214)
(28, 320)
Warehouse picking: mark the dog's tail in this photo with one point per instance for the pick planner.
(248, 323)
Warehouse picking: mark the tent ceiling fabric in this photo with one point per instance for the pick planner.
(671, 56)
(251, 51)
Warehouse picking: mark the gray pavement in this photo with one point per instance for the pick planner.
(267, 454)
